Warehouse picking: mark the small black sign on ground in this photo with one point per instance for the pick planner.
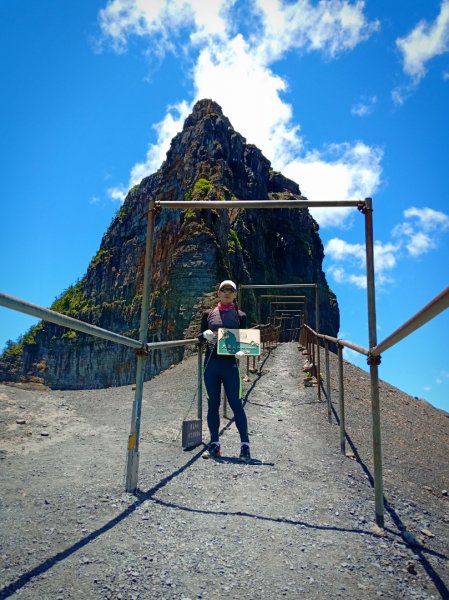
(192, 434)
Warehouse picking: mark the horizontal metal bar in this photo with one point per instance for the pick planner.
(171, 343)
(345, 343)
(54, 317)
(264, 296)
(431, 310)
(226, 204)
(277, 285)
(298, 302)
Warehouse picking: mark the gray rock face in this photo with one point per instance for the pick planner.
(193, 251)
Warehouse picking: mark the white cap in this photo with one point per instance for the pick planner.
(229, 283)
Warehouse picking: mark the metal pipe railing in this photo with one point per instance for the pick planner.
(278, 296)
(373, 362)
(335, 340)
(200, 384)
(141, 344)
(328, 381)
(227, 204)
(170, 343)
(341, 400)
(431, 310)
(360, 205)
(52, 316)
(132, 467)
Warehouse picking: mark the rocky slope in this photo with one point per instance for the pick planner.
(193, 251)
(296, 523)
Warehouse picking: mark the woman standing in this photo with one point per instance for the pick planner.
(221, 369)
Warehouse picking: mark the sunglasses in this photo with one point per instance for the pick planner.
(227, 289)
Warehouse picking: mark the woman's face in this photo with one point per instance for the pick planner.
(227, 294)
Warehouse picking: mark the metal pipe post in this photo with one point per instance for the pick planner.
(317, 325)
(200, 383)
(132, 468)
(341, 400)
(328, 381)
(374, 362)
(312, 343)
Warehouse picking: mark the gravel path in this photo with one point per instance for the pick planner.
(298, 522)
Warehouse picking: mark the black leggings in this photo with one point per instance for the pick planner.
(218, 371)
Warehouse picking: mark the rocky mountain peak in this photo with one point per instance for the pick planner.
(209, 148)
(203, 108)
(193, 250)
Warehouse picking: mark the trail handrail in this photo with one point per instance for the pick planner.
(301, 203)
(154, 206)
(430, 311)
(338, 341)
(70, 322)
(57, 318)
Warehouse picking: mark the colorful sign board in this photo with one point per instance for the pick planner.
(231, 341)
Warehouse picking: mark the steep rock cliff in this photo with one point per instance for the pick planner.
(193, 251)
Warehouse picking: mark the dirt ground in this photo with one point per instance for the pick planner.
(296, 523)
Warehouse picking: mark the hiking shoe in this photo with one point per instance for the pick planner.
(213, 451)
(245, 454)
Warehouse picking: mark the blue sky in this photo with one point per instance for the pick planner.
(349, 99)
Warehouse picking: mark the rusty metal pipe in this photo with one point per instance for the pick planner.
(328, 382)
(374, 374)
(341, 400)
(226, 204)
(431, 310)
(132, 467)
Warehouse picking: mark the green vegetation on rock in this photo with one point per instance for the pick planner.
(70, 334)
(201, 188)
(233, 241)
(189, 214)
(122, 212)
(71, 301)
(100, 256)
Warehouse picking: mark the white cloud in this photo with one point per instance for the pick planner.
(428, 218)
(117, 193)
(339, 250)
(364, 107)
(330, 27)
(442, 378)
(163, 19)
(419, 244)
(222, 70)
(339, 172)
(166, 130)
(424, 42)
(385, 257)
(225, 62)
(421, 231)
(341, 275)
(352, 257)
(418, 234)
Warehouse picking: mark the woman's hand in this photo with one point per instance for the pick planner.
(208, 335)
